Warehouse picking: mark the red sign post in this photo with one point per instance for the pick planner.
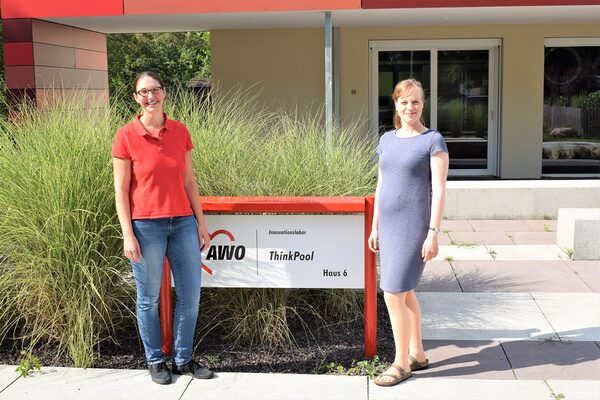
(305, 205)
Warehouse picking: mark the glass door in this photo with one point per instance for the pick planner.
(460, 82)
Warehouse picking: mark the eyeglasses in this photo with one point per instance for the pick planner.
(145, 92)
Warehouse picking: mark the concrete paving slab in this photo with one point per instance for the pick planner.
(438, 277)
(497, 225)
(444, 239)
(575, 390)
(480, 238)
(517, 276)
(554, 359)
(456, 225)
(466, 359)
(526, 252)
(246, 386)
(532, 237)
(90, 384)
(574, 316)
(463, 253)
(8, 375)
(587, 271)
(482, 316)
(541, 225)
(460, 389)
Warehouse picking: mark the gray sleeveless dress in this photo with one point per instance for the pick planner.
(404, 205)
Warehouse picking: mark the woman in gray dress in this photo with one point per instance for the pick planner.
(409, 203)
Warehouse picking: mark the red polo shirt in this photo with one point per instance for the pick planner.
(157, 168)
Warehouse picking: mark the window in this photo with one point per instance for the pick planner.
(460, 82)
(571, 144)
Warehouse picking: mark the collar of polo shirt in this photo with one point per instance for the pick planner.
(141, 130)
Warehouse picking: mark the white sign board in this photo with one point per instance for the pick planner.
(285, 251)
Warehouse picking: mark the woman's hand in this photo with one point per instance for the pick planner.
(131, 248)
(430, 247)
(204, 238)
(373, 241)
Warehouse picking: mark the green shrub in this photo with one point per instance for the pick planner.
(450, 117)
(245, 150)
(62, 278)
(590, 115)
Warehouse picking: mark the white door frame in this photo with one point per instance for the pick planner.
(493, 45)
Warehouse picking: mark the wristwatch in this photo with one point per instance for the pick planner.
(436, 229)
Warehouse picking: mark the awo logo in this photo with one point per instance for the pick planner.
(223, 252)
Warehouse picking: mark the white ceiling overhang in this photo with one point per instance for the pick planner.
(340, 18)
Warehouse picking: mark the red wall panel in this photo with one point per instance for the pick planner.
(216, 6)
(60, 8)
(17, 30)
(371, 4)
(19, 77)
(18, 53)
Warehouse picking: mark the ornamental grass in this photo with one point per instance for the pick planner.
(63, 282)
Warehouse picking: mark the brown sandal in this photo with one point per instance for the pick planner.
(417, 365)
(401, 376)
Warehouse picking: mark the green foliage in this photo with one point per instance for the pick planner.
(450, 117)
(370, 368)
(245, 150)
(28, 362)
(590, 117)
(479, 118)
(175, 56)
(578, 100)
(212, 358)
(61, 277)
(592, 100)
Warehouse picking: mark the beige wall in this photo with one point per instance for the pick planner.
(290, 64)
(287, 66)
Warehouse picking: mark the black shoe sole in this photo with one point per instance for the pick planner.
(161, 382)
(207, 376)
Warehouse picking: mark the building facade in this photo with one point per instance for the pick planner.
(513, 86)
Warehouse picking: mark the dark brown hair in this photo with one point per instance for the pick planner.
(403, 88)
(150, 74)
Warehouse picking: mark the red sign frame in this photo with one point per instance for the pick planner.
(312, 205)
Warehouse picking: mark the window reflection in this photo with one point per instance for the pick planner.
(462, 116)
(395, 66)
(571, 110)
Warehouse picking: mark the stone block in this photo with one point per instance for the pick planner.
(579, 232)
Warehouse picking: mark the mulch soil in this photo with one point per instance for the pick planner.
(341, 343)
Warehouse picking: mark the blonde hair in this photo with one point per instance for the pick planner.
(401, 89)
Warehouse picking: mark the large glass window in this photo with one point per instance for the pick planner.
(571, 108)
(462, 116)
(459, 78)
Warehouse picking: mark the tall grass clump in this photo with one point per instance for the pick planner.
(61, 277)
(63, 280)
(243, 149)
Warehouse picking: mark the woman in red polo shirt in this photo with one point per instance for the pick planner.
(159, 210)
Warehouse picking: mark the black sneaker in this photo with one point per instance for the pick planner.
(160, 373)
(194, 369)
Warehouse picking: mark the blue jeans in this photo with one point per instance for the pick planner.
(177, 238)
